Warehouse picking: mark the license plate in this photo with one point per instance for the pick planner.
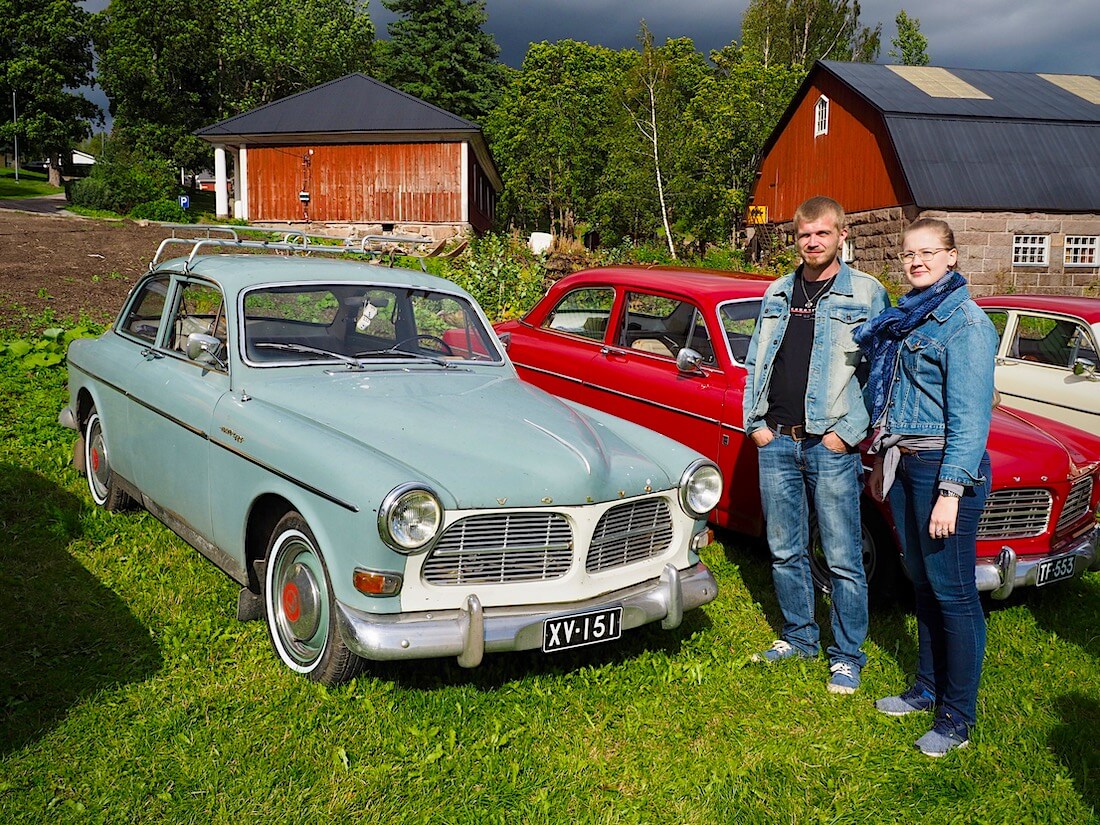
(580, 629)
(1054, 570)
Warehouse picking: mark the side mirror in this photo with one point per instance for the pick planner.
(688, 360)
(1083, 366)
(505, 340)
(199, 344)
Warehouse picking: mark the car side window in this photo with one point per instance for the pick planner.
(199, 310)
(999, 319)
(583, 312)
(663, 326)
(738, 322)
(1049, 341)
(142, 318)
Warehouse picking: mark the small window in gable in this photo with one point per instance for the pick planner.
(821, 116)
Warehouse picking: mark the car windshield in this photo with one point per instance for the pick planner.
(357, 324)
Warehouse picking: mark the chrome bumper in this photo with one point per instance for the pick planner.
(472, 631)
(1000, 576)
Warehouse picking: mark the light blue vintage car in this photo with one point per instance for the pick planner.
(350, 443)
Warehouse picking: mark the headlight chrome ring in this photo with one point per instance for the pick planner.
(700, 487)
(410, 518)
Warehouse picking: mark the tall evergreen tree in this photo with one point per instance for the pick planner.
(45, 55)
(910, 46)
(439, 52)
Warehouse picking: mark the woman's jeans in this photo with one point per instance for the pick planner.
(792, 475)
(950, 622)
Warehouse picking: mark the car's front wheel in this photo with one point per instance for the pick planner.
(300, 608)
(102, 483)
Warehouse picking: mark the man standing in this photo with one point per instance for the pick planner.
(805, 412)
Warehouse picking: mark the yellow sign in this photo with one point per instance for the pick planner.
(758, 214)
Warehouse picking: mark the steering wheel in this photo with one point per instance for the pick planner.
(444, 347)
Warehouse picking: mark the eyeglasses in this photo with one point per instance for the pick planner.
(925, 255)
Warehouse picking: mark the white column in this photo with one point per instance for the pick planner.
(236, 153)
(465, 182)
(221, 183)
(242, 182)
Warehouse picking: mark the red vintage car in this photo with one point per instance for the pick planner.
(665, 347)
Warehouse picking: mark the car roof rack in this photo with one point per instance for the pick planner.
(372, 245)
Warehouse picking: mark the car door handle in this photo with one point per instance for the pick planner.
(611, 351)
(151, 354)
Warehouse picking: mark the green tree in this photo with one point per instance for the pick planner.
(910, 46)
(45, 55)
(268, 50)
(550, 133)
(798, 32)
(439, 52)
(170, 67)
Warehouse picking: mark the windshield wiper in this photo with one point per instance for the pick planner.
(418, 356)
(303, 348)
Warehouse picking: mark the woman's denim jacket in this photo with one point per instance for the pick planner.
(943, 385)
(834, 395)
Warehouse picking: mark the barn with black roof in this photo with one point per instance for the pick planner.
(355, 151)
(1010, 159)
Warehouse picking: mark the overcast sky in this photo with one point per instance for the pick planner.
(1008, 35)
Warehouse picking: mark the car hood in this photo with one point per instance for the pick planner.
(487, 440)
(1034, 454)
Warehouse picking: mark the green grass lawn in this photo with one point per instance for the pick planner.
(29, 185)
(130, 693)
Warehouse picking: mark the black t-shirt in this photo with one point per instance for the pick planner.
(787, 389)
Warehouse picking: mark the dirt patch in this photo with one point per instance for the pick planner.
(56, 268)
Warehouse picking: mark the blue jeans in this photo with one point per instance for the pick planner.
(795, 475)
(950, 622)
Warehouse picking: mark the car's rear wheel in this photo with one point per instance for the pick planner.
(300, 608)
(102, 483)
(881, 562)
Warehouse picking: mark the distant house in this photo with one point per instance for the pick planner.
(1010, 160)
(355, 151)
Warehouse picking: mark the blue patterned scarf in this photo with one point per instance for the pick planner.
(882, 335)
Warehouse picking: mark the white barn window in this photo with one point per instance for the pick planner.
(821, 116)
(1082, 250)
(1030, 250)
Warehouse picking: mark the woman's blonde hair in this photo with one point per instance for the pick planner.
(941, 228)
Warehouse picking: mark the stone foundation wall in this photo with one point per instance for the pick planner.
(985, 248)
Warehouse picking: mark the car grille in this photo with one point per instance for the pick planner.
(501, 548)
(1077, 502)
(629, 533)
(1015, 514)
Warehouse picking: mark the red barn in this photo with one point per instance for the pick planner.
(1011, 160)
(355, 151)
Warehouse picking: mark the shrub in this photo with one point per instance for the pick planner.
(501, 273)
(122, 179)
(162, 210)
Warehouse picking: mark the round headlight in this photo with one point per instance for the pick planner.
(410, 518)
(700, 488)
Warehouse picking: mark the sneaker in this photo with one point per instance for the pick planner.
(945, 736)
(778, 651)
(914, 700)
(844, 678)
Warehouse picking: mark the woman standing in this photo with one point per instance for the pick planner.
(931, 395)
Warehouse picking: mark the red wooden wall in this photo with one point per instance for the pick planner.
(854, 163)
(382, 182)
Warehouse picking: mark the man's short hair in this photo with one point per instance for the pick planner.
(817, 208)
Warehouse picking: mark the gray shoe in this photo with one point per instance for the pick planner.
(778, 651)
(914, 700)
(944, 737)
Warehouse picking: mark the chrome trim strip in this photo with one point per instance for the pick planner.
(309, 488)
(628, 396)
(1046, 402)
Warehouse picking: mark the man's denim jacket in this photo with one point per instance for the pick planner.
(834, 394)
(949, 357)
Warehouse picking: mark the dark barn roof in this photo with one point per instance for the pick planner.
(1024, 143)
(353, 104)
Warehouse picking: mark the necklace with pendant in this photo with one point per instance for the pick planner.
(821, 290)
